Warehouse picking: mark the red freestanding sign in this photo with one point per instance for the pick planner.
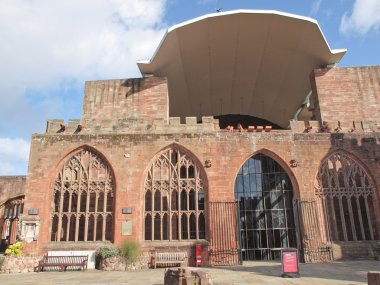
(198, 255)
(289, 258)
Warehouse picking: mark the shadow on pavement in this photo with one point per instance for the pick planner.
(352, 271)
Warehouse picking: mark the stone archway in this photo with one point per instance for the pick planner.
(346, 194)
(266, 221)
(175, 197)
(83, 199)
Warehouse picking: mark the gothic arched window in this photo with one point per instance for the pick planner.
(10, 213)
(174, 198)
(346, 194)
(83, 197)
(264, 192)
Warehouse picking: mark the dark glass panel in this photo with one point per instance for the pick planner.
(72, 228)
(82, 222)
(91, 207)
(184, 232)
(165, 196)
(54, 229)
(148, 227)
(83, 201)
(148, 201)
(338, 218)
(182, 172)
(201, 200)
(99, 228)
(191, 171)
(109, 206)
(202, 226)
(365, 219)
(183, 200)
(192, 224)
(57, 196)
(100, 202)
(192, 200)
(356, 218)
(174, 203)
(157, 201)
(157, 227)
(66, 199)
(264, 193)
(90, 228)
(109, 227)
(165, 227)
(175, 227)
(74, 202)
(64, 233)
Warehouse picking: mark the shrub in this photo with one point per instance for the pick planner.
(104, 252)
(14, 249)
(130, 250)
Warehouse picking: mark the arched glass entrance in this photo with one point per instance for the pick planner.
(264, 192)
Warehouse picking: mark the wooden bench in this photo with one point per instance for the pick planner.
(63, 262)
(169, 258)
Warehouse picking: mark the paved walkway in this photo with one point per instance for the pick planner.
(348, 273)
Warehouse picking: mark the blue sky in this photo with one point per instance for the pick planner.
(49, 48)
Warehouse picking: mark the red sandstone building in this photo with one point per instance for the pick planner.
(241, 135)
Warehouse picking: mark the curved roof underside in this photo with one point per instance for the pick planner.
(241, 62)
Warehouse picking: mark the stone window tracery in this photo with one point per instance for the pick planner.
(346, 194)
(11, 211)
(83, 200)
(174, 198)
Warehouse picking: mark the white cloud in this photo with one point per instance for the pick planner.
(316, 6)
(364, 17)
(47, 46)
(14, 154)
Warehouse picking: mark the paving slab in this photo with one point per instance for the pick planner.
(347, 273)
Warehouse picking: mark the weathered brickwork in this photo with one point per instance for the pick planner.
(117, 104)
(126, 123)
(130, 156)
(11, 187)
(346, 94)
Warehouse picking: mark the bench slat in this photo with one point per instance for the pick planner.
(63, 262)
(169, 258)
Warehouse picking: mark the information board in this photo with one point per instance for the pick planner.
(289, 258)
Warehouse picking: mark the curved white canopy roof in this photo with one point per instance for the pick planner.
(241, 62)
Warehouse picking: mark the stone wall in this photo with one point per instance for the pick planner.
(20, 264)
(187, 276)
(175, 246)
(131, 154)
(11, 186)
(355, 250)
(346, 94)
(126, 122)
(114, 103)
(118, 263)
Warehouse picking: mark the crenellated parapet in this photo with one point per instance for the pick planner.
(335, 126)
(55, 126)
(133, 126)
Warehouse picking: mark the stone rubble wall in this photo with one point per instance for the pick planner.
(19, 264)
(187, 276)
(117, 263)
(354, 250)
